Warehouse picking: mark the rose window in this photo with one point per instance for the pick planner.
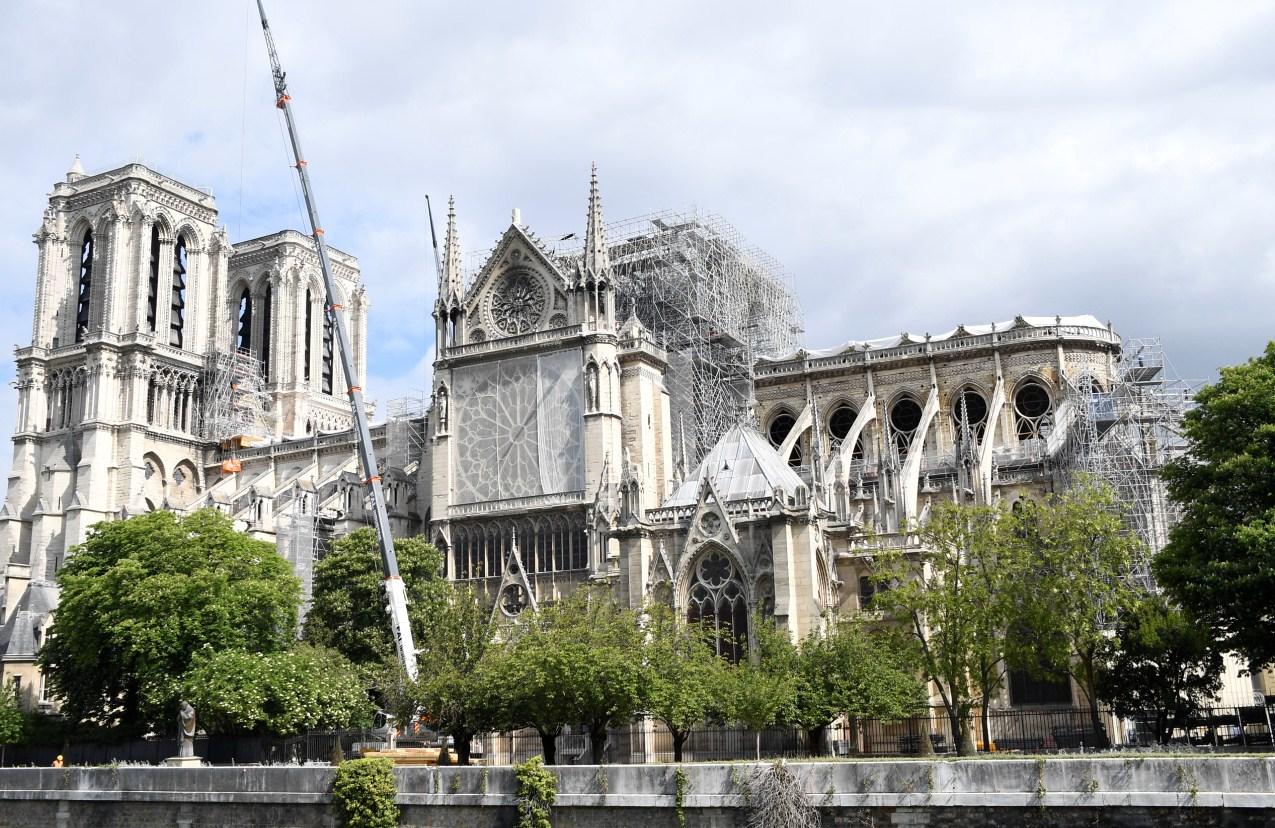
(519, 303)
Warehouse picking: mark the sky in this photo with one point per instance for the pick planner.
(913, 166)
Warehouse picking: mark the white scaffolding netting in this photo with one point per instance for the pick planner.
(236, 403)
(518, 425)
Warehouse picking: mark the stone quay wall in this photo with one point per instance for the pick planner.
(1119, 790)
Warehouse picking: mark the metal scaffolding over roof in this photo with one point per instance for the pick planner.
(236, 403)
(405, 432)
(712, 301)
(1124, 434)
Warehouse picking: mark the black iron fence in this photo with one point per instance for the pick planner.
(1024, 730)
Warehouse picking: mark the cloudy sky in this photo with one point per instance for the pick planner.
(913, 166)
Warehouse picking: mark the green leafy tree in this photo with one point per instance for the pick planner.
(761, 691)
(1082, 554)
(142, 595)
(454, 691)
(578, 661)
(306, 688)
(946, 594)
(1219, 564)
(683, 675)
(348, 610)
(11, 718)
(851, 669)
(1160, 663)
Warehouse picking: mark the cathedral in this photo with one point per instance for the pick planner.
(637, 411)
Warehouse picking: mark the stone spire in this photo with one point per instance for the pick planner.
(596, 260)
(451, 255)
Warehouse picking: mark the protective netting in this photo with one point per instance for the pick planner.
(518, 427)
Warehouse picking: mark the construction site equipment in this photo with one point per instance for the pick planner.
(396, 596)
(405, 432)
(713, 302)
(1123, 434)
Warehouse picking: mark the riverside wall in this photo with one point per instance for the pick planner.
(1118, 790)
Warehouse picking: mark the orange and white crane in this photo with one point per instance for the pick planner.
(395, 595)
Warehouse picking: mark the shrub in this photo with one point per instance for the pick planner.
(537, 790)
(364, 792)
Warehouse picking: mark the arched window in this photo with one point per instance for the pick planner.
(780, 427)
(717, 603)
(905, 418)
(152, 287)
(309, 332)
(840, 421)
(244, 337)
(266, 307)
(327, 353)
(1033, 410)
(177, 319)
(86, 286)
(969, 414)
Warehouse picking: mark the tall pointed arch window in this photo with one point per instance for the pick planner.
(309, 333)
(177, 316)
(152, 286)
(717, 604)
(266, 308)
(86, 286)
(243, 339)
(327, 352)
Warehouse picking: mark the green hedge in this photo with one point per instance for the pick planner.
(364, 792)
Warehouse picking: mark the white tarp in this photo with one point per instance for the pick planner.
(518, 424)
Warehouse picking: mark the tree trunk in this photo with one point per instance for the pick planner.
(985, 722)
(1089, 683)
(679, 741)
(814, 740)
(461, 740)
(758, 745)
(598, 743)
(549, 745)
(925, 743)
(961, 733)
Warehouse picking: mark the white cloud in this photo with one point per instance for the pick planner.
(913, 165)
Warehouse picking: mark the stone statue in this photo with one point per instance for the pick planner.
(186, 729)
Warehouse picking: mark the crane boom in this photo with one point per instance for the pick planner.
(395, 595)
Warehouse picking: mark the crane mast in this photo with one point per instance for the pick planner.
(395, 595)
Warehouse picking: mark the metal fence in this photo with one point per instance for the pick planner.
(1027, 730)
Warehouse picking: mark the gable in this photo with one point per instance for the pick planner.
(518, 290)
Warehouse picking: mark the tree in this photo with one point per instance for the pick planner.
(1160, 662)
(683, 675)
(578, 661)
(348, 611)
(951, 593)
(856, 671)
(11, 718)
(1219, 564)
(1082, 554)
(237, 692)
(141, 596)
(761, 691)
(454, 689)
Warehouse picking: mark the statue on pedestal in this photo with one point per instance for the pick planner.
(186, 729)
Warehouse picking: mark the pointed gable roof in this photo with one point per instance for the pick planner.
(514, 238)
(742, 465)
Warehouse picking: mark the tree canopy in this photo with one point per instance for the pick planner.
(684, 675)
(1219, 563)
(284, 693)
(142, 596)
(1159, 663)
(348, 608)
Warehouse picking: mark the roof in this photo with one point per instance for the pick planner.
(17, 636)
(743, 465)
(1083, 320)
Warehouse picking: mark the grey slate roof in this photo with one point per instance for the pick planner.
(17, 636)
(742, 466)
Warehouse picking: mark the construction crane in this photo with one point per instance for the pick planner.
(395, 595)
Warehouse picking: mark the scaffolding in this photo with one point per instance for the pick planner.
(1123, 433)
(713, 302)
(405, 433)
(236, 403)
